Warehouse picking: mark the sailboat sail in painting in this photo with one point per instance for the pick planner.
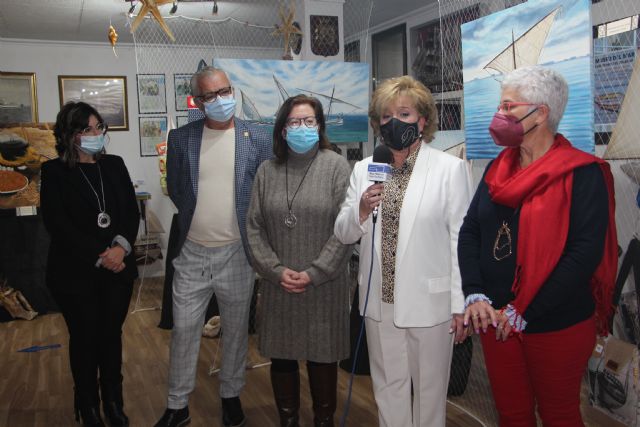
(249, 110)
(526, 49)
(624, 139)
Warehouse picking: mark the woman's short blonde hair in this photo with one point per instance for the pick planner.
(395, 87)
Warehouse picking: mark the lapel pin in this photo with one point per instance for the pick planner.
(246, 134)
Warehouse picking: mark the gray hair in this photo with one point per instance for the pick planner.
(540, 85)
(204, 72)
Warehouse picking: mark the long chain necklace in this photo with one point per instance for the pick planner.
(104, 220)
(290, 219)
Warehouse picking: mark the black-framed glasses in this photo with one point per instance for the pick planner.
(100, 127)
(212, 96)
(309, 122)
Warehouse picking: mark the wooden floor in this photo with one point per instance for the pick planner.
(36, 388)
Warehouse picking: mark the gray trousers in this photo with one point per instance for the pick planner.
(199, 272)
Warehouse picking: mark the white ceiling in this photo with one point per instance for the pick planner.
(88, 20)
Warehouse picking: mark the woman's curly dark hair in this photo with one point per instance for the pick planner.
(72, 118)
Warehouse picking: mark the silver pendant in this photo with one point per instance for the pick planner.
(104, 220)
(290, 220)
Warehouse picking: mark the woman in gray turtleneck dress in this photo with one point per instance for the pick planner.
(305, 293)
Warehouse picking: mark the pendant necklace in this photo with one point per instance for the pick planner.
(290, 219)
(502, 245)
(104, 220)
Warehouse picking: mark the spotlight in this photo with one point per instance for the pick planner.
(215, 8)
(174, 8)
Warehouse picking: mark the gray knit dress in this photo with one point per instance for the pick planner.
(313, 325)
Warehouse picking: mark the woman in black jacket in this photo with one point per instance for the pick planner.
(90, 211)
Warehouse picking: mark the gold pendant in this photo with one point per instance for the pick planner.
(502, 245)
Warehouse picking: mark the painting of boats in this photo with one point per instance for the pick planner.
(551, 33)
(261, 86)
(613, 64)
(609, 101)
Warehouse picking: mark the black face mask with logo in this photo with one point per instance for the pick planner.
(399, 135)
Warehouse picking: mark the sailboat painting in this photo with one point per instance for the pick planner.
(551, 33)
(261, 86)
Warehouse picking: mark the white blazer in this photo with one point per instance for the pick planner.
(427, 287)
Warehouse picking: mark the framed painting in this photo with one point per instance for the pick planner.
(557, 35)
(153, 131)
(18, 99)
(152, 93)
(182, 89)
(107, 94)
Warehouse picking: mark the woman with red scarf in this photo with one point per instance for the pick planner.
(537, 254)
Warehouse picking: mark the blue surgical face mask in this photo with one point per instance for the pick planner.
(302, 139)
(92, 144)
(220, 110)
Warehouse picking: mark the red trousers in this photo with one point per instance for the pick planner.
(544, 369)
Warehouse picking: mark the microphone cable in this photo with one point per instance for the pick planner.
(345, 413)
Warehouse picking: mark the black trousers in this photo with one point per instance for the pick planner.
(94, 321)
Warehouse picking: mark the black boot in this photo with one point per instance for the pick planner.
(286, 391)
(87, 412)
(232, 415)
(112, 404)
(90, 416)
(323, 379)
(114, 414)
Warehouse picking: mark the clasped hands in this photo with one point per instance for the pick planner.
(482, 315)
(294, 282)
(112, 259)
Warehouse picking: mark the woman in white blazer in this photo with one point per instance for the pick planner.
(415, 303)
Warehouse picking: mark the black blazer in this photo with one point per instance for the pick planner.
(69, 212)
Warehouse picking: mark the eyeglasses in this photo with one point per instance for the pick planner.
(100, 128)
(309, 122)
(507, 105)
(212, 96)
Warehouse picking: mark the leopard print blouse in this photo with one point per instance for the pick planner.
(392, 198)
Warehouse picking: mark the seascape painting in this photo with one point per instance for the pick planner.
(107, 94)
(343, 88)
(551, 33)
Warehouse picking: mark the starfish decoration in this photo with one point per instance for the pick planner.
(287, 29)
(151, 6)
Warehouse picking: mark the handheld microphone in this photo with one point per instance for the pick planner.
(380, 170)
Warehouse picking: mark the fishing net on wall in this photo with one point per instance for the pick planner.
(242, 29)
(438, 63)
(617, 109)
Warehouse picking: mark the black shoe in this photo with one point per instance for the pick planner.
(90, 416)
(174, 418)
(115, 415)
(232, 415)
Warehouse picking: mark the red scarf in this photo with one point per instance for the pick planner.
(543, 190)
